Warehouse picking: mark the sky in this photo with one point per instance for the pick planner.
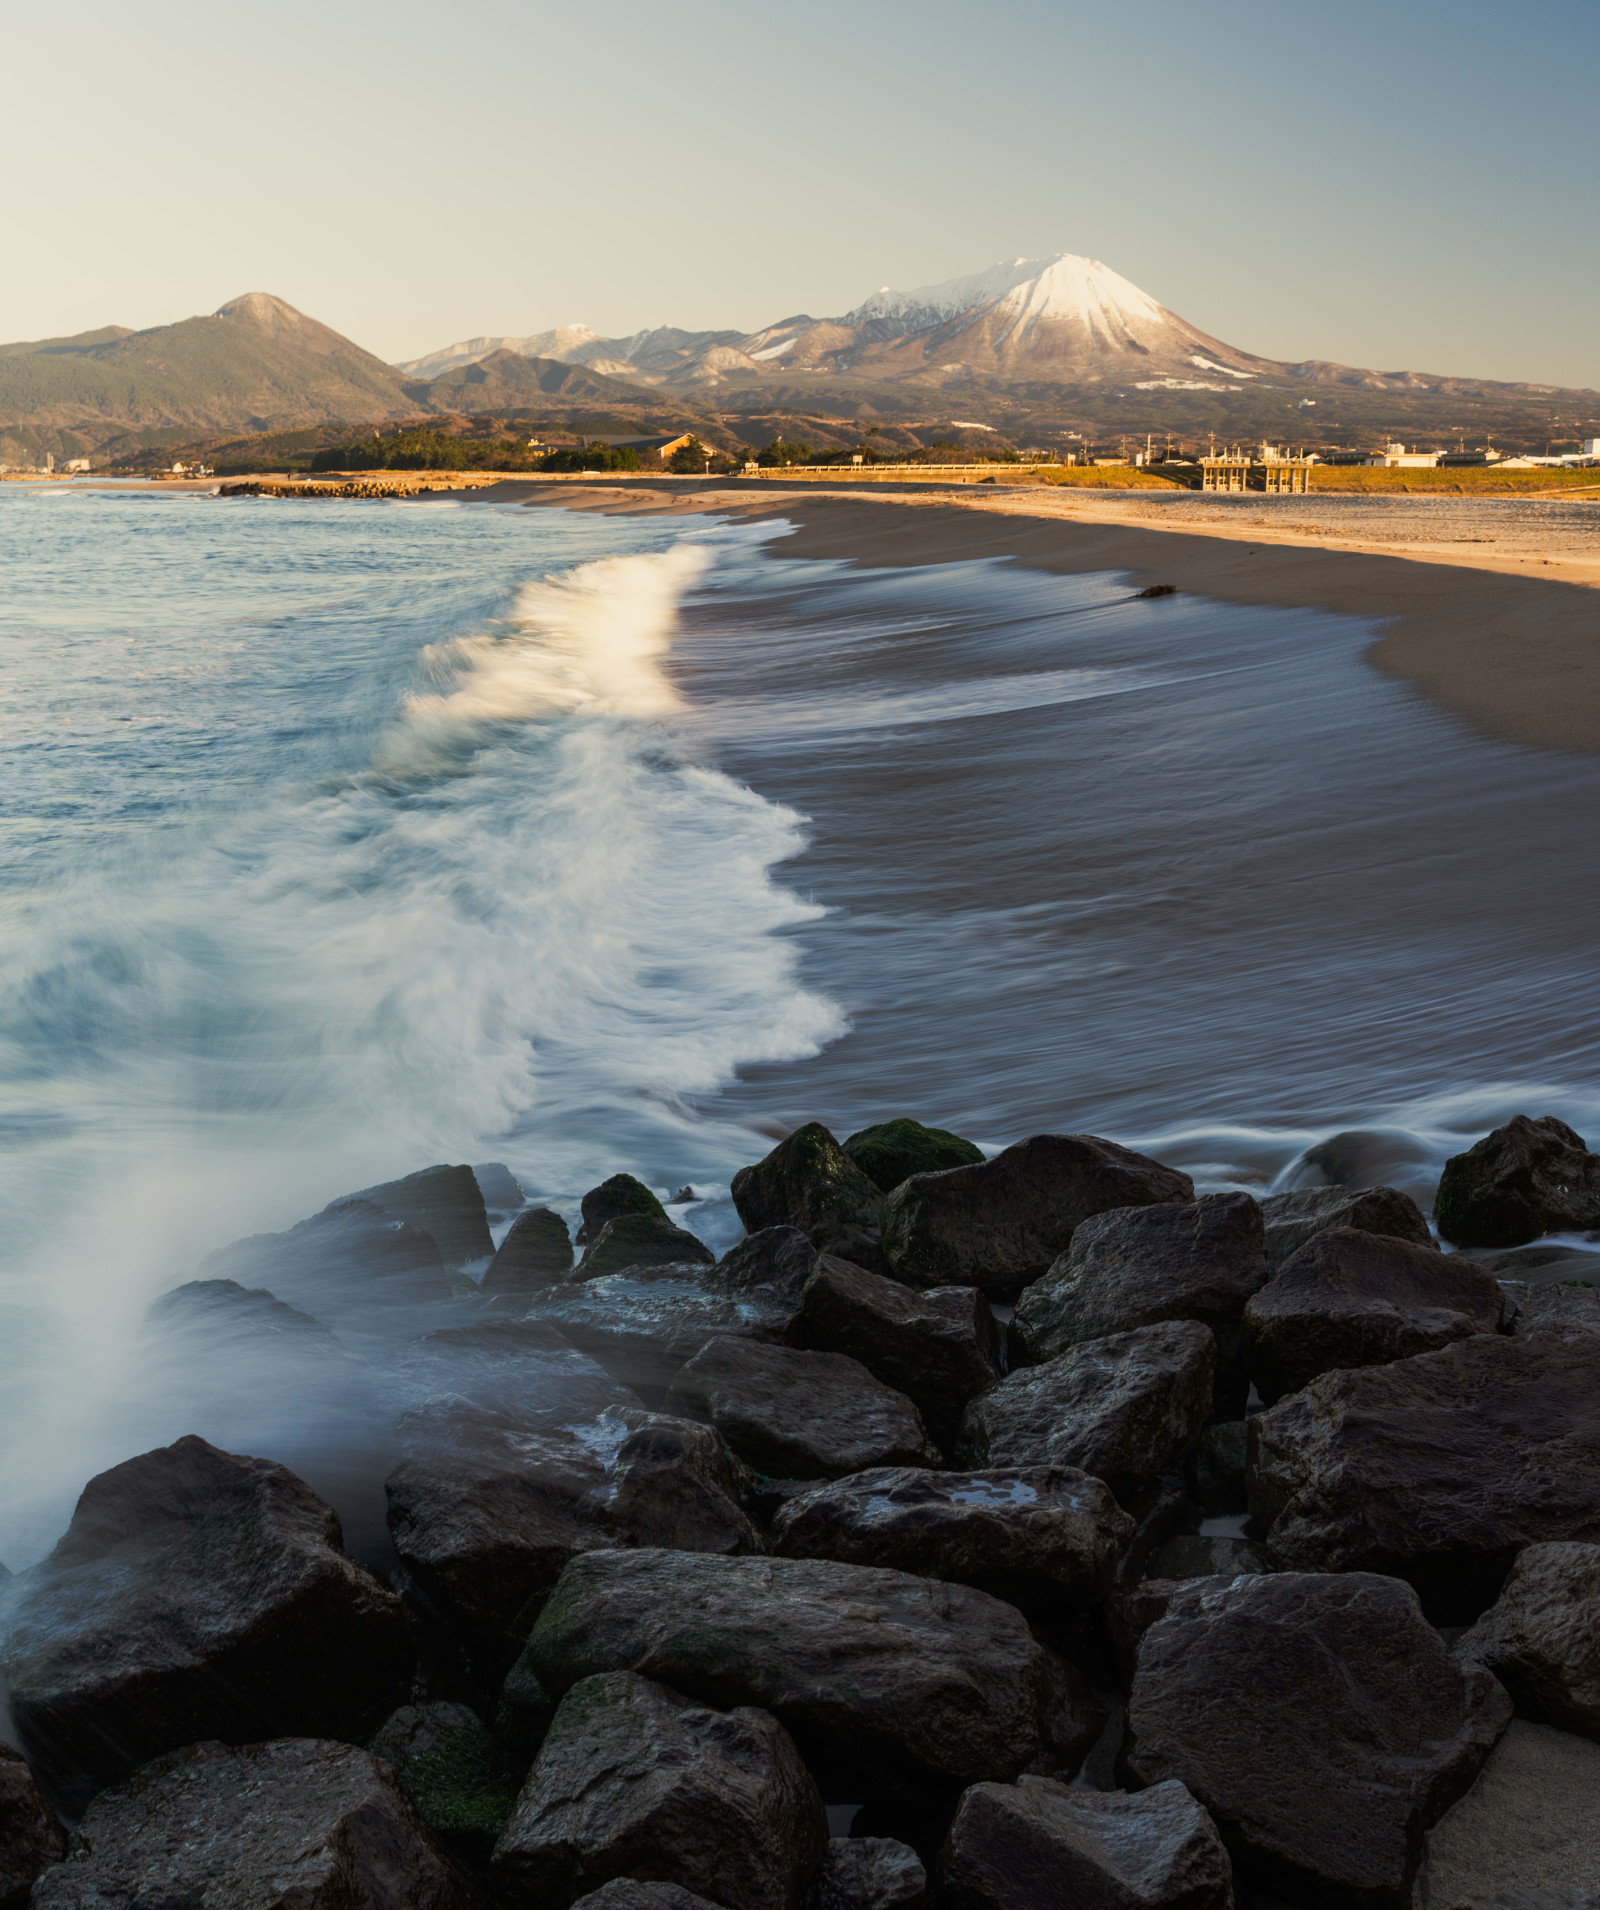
(1407, 185)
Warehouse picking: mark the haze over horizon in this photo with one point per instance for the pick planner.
(1405, 189)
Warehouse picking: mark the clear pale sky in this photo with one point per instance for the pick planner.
(1393, 183)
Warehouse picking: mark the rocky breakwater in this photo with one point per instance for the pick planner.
(692, 1557)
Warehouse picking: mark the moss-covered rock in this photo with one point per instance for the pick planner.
(893, 1151)
(461, 1777)
(622, 1194)
(641, 1240)
(809, 1182)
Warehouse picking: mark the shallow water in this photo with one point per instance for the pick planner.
(343, 839)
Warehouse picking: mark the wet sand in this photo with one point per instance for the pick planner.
(1489, 605)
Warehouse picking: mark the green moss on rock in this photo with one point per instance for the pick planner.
(892, 1151)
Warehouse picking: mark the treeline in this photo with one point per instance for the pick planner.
(785, 451)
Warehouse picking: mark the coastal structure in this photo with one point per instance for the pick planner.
(1265, 469)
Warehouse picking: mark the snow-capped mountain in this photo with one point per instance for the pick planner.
(1065, 319)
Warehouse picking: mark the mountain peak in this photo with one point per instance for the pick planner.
(275, 316)
(1067, 286)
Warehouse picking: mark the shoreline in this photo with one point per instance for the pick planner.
(1514, 653)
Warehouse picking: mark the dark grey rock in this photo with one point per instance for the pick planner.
(1215, 1469)
(869, 1873)
(527, 1367)
(1321, 1722)
(892, 1151)
(642, 1325)
(1437, 1469)
(1041, 1537)
(446, 1203)
(635, 1780)
(1551, 1308)
(499, 1187)
(1541, 1637)
(195, 1594)
(1124, 1407)
(1164, 1511)
(1002, 1223)
(809, 1182)
(30, 1837)
(536, 1253)
(1539, 1265)
(613, 1198)
(1350, 1298)
(641, 1240)
(940, 1347)
(222, 1316)
(1294, 1218)
(878, 1675)
(1193, 1555)
(800, 1415)
(1367, 1157)
(675, 1485)
(777, 1259)
(302, 1822)
(627, 1893)
(1524, 1179)
(1034, 1843)
(1134, 1266)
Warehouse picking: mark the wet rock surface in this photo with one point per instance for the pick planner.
(446, 1203)
(637, 1781)
(675, 1485)
(298, 1821)
(1123, 1407)
(809, 1182)
(1135, 1266)
(1524, 1179)
(627, 1893)
(196, 1594)
(454, 1772)
(1293, 1218)
(1040, 1537)
(1023, 1845)
(1438, 1469)
(1552, 1308)
(641, 1240)
(876, 1674)
(642, 1325)
(892, 1151)
(1349, 1298)
(536, 1253)
(1541, 1637)
(1321, 1722)
(501, 1191)
(869, 1873)
(30, 1836)
(940, 1347)
(777, 1259)
(1001, 1224)
(800, 1415)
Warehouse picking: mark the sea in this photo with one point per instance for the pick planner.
(340, 839)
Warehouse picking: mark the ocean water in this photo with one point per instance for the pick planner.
(342, 839)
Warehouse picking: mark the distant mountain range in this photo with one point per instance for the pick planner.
(1036, 350)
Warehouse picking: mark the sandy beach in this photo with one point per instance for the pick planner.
(1487, 604)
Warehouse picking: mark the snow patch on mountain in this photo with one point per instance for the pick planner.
(1065, 287)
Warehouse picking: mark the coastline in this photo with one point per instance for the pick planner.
(1513, 652)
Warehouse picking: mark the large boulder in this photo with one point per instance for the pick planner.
(1319, 1720)
(892, 1151)
(1000, 1224)
(641, 1240)
(797, 1414)
(642, 1325)
(636, 1781)
(675, 1484)
(446, 1203)
(451, 1767)
(1041, 1537)
(218, 1317)
(369, 1274)
(627, 1893)
(869, 1873)
(875, 1673)
(613, 1198)
(939, 1346)
(1437, 1469)
(1293, 1218)
(1525, 1179)
(196, 1594)
(316, 1825)
(1132, 1266)
(1033, 1843)
(1527, 1835)
(501, 1191)
(1124, 1407)
(536, 1253)
(1541, 1637)
(809, 1182)
(30, 1837)
(777, 1260)
(1565, 1307)
(1349, 1298)
(1366, 1158)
